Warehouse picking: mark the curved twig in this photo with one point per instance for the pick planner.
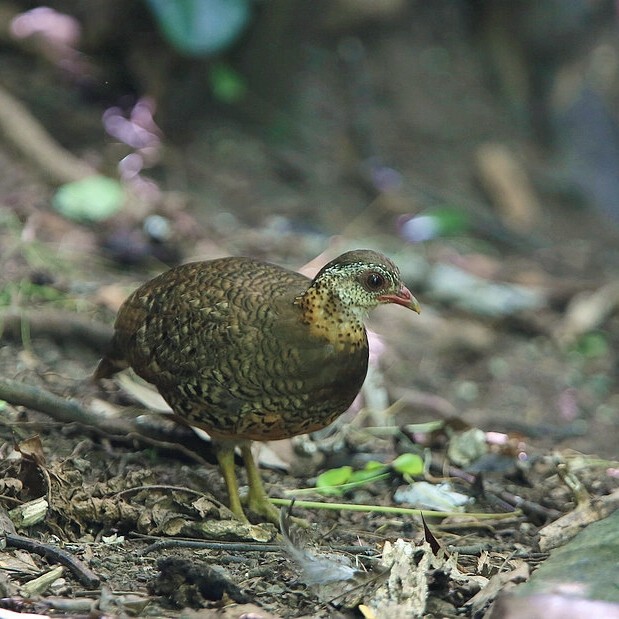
(82, 572)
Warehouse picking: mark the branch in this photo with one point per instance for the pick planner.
(55, 324)
(160, 431)
(31, 139)
(62, 409)
(81, 571)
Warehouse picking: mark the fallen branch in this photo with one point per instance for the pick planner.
(56, 324)
(32, 140)
(155, 430)
(163, 544)
(66, 410)
(82, 572)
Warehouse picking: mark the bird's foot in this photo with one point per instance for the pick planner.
(257, 501)
(263, 509)
(261, 506)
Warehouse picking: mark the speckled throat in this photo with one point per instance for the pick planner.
(337, 302)
(328, 316)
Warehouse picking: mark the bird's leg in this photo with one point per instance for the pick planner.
(225, 458)
(258, 500)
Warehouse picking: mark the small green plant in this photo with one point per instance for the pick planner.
(335, 482)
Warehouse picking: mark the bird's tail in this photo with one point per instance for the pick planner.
(108, 367)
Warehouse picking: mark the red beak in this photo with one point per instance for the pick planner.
(403, 298)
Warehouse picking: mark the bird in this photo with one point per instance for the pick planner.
(251, 351)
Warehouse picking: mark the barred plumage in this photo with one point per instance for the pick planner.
(248, 350)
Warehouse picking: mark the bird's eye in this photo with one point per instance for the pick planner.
(374, 281)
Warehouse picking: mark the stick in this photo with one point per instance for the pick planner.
(56, 324)
(83, 573)
(66, 410)
(27, 135)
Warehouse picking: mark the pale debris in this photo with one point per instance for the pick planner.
(404, 592)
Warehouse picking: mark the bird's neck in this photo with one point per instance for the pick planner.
(329, 318)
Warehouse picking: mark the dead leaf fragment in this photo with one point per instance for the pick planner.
(32, 449)
(404, 592)
(18, 562)
(497, 583)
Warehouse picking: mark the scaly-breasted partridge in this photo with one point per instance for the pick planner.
(250, 351)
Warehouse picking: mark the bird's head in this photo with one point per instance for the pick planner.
(362, 279)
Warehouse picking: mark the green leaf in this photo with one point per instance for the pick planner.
(201, 27)
(373, 465)
(227, 85)
(328, 481)
(593, 345)
(94, 198)
(408, 464)
(334, 477)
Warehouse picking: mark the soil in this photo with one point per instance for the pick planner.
(231, 185)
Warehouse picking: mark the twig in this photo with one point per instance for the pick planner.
(476, 549)
(386, 509)
(27, 135)
(512, 500)
(68, 410)
(242, 547)
(62, 409)
(83, 573)
(56, 324)
(232, 546)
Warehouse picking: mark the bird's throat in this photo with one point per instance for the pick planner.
(329, 319)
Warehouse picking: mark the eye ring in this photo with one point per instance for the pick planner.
(374, 281)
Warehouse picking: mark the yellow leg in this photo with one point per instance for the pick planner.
(225, 458)
(258, 500)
